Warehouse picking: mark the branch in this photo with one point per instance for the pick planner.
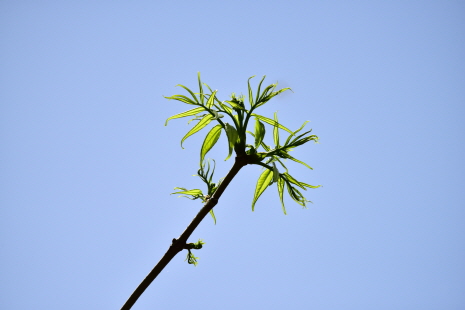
(179, 244)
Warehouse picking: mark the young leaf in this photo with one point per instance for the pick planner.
(294, 181)
(259, 132)
(201, 124)
(236, 105)
(210, 140)
(191, 192)
(200, 88)
(213, 215)
(250, 91)
(280, 185)
(297, 161)
(231, 132)
(186, 113)
(258, 89)
(271, 122)
(263, 182)
(295, 132)
(275, 130)
(190, 92)
(182, 98)
(211, 99)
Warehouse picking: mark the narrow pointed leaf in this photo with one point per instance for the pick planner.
(282, 164)
(231, 132)
(236, 105)
(199, 126)
(259, 132)
(265, 93)
(280, 185)
(182, 98)
(226, 109)
(213, 215)
(295, 195)
(263, 182)
(210, 140)
(192, 192)
(309, 186)
(275, 130)
(200, 88)
(267, 98)
(190, 92)
(211, 99)
(258, 89)
(186, 113)
(298, 161)
(271, 122)
(250, 92)
(294, 181)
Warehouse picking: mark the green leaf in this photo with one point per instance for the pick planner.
(262, 100)
(295, 194)
(191, 259)
(211, 99)
(294, 181)
(263, 182)
(213, 215)
(190, 92)
(184, 114)
(267, 97)
(191, 192)
(258, 89)
(182, 98)
(280, 185)
(298, 161)
(282, 164)
(250, 91)
(295, 132)
(226, 109)
(309, 186)
(199, 126)
(275, 130)
(271, 122)
(236, 105)
(231, 132)
(210, 140)
(200, 88)
(259, 132)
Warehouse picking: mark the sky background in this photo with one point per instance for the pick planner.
(87, 165)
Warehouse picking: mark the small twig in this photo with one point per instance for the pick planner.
(179, 244)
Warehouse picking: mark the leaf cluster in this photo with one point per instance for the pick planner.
(208, 108)
(191, 259)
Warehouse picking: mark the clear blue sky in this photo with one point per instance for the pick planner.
(87, 166)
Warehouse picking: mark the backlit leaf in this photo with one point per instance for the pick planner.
(199, 126)
(182, 98)
(259, 132)
(200, 88)
(211, 99)
(213, 215)
(263, 182)
(280, 185)
(191, 192)
(271, 122)
(210, 140)
(275, 130)
(250, 92)
(184, 114)
(231, 132)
